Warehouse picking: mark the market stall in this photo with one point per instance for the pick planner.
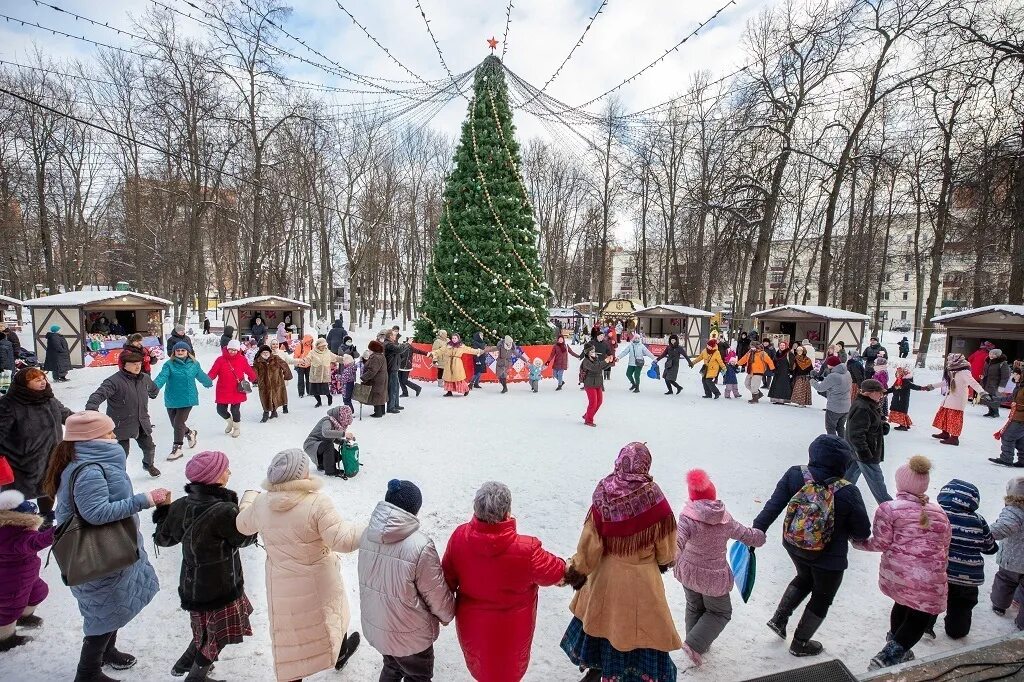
(10, 312)
(97, 324)
(272, 309)
(1002, 324)
(821, 325)
(568, 319)
(619, 310)
(692, 325)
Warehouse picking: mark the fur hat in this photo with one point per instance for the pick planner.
(912, 477)
(700, 486)
(375, 346)
(870, 386)
(11, 500)
(130, 356)
(87, 425)
(833, 361)
(404, 495)
(206, 467)
(288, 465)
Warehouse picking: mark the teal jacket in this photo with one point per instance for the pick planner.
(181, 376)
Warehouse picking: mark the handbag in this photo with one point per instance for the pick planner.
(243, 384)
(654, 372)
(361, 393)
(744, 568)
(85, 552)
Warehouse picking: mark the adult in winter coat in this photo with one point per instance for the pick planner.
(855, 366)
(713, 366)
(403, 596)
(406, 351)
(177, 379)
(835, 386)
(781, 389)
(176, 337)
(593, 369)
(950, 417)
(635, 351)
(228, 371)
(323, 441)
(904, 347)
(742, 345)
(672, 354)
(873, 350)
(621, 621)
(206, 326)
(1011, 435)
(87, 473)
(508, 353)
(30, 427)
(301, 358)
(440, 341)
(392, 355)
(913, 536)
(12, 336)
(273, 375)
(336, 337)
(21, 587)
(452, 366)
(348, 348)
(6, 354)
(227, 336)
(301, 532)
(210, 586)
(320, 361)
(1009, 527)
(993, 378)
(480, 361)
(375, 375)
(866, 429)
(818, 574)
(758, 363)
(127, 393)
(149, 357)
(558, 360)
(258, 330)
(978, 358)
(58, 356)
(495, 574)
(800, 369)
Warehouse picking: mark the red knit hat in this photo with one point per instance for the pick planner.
(833, 360)
(712, 343)
(700, 486)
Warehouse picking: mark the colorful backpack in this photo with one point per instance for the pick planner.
(810, 514)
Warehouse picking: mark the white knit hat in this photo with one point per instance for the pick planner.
(234, 344)
(10, 499)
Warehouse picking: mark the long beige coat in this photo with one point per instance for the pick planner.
(320, 360)
(309, 613)
(450, 360)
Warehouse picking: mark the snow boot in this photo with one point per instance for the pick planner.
(201, 672)
(185, 661)
(420, 390)
(802, 644)
(90, 661)
(560, 384)
(176, 453)
(193, 438)
(940, 436)
(790, 600)
(8, 643)
(151, 470)
(504, 385)
(446, 395)
(29, 620)
(228, 425)
(235, 430)
(348, 647)
(284, 408)
(891, 654)
(118, 660)
(273, 414)
(952, 440)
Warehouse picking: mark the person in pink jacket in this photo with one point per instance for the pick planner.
(701, 566)
(913, 536)
(955, 382)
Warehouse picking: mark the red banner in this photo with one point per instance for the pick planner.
(423, 367)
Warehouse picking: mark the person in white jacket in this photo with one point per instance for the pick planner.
(636, 351)
(403, 597)
(956, 380)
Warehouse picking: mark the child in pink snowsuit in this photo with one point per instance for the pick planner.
(21, 588)
(913, 536)
(704, 528)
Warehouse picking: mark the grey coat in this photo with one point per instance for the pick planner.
(995, 375)
(323, 431)
(403, 596)
(127, 396)
(506, 357)
(837, 387)
(1009, 528)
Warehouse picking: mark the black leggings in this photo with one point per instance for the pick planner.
(821, 585)
(235, 414)
(907, 625)
(669, 384)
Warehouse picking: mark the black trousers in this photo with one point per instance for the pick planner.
(233, 412)
(710, 388)
(960, 603)
(669, 384)
(146, 443)
(821, 585)
(178, 417)
(907, 625)
(303, 374)
(94, 649)
(416, 668)
(327, 457)
(403, 379)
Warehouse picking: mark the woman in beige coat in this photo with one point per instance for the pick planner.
(301, 532)
(320, 361)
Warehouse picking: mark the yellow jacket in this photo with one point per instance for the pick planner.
(713, 364)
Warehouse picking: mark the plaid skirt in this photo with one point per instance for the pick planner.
(801, 391)
(950, 421)
(597, 653)
(900, 418)
(213, 630)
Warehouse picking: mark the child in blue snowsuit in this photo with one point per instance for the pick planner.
(731, 382)
(535, 372)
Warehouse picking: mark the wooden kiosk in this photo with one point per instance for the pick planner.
(8, 302)
(1002, 324)
(692, 325)
(273, 309)
(821, 325)
(76, 312)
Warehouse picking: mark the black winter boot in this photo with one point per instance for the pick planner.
(802, 644)
(593, 675)
(90, 662)
(284, 408)
(201, 672)
(266, 416)
(504, 386)
(348, 647)
(118, 660)
(185, 661)
(15, 640)
(790, 600)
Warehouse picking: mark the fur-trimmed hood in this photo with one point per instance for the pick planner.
(20, 520)
(284, 496)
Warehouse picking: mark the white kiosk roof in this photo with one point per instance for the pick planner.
(799, 311)
(1005, 308)
(674, 309)
(83, 299)
(255, 301)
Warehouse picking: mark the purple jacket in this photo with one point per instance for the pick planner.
(914, 557)
(348, 373)
(703, 530)
(20, 544)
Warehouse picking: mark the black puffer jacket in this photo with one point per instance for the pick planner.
(225, 338)
(995, 375)
(6, 354)
(866, 429)
(30, 427)
(204, 524)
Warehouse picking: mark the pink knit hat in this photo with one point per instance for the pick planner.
(87, 425)
(206, 467)
(700, 486)
(912, 477)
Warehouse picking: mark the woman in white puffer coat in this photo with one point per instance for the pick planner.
(403, 597)
(301, 531)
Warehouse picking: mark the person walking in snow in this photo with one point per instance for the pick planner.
(1011, 435)
(536, 372)
(374, 373)
(406, 351)
(781, 389)
(177, 379)
(913, 536)
(904, 347)
(899, 410)
(320, 360)
(508, 354)
(282, 336)
(453, 368)
(730, 380)
(324, 441)
(21, 587)
(866, 431)
(558, 360)
(403, 596)
(210, 586)
(757, 362)
(835, 386)
(855, 366)
(712, 366)
(800, 369)
(956, 382)
(301, 358)
(306, 593)
(440, 341)
(621, 621)
(1009, 528)
(272, 374)
(742, 345)
(635, 351)
(229, 370)
(672, 355)
(176, 337)
(704, 528)
(873, 350)
(593, 370)
(479, 362)
(818, 573)
(58, 355)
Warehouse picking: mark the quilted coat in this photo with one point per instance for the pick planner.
(308, 609)
(914, 557)
(272, 374)
(104, 496)
(320, 361)
(20, 544)
(1009, 528)
(227, 371)
(971, 536)
(836, 386)
(180, 377)
(403, 597)
(30, 426)
(704, 529)
(495, 573)
(127, 396)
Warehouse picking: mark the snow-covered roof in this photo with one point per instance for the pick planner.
(256, 300)
(998, 308)
(679, 309)
(815, 310)
(8, 300)
(78, 299)
(563, 312)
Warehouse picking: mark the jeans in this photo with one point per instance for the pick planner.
(416, 668)
(633, 374)
(710, 388)
(235, 414)
(146, 443)
(346, 396)
(835, 423)
(595, 396)
(559, 373)
(907, 625)
(178, 417)
(1013, 439)
(874, 477)
(706, 617)
(477, 373)
(393, 387)
(821, 585)
(303, 374)
(1003, 586)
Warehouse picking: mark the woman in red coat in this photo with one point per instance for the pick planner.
(495, 572)
(228, 371)
(559, 360)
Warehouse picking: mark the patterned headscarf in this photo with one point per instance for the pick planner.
(956, 362)
(629, 510)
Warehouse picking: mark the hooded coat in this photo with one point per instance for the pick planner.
(703, 530)
(178, 379)
(273, 375)
(58, 356)
(336, 336)
(375, 373)
(20, 544)
(1009, 528)
(30, 427)
(127, 396)
(671, 355)
(971, 536)
(227, 371)
(229, 333)
(636, 352)
(308, 609)
(836, 388)
(495, 574)
(403, 597)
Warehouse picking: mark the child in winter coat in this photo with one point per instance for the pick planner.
(535, 373)
(900, 392)
(1009, 527)
(210, 586)
(348, 379)
(701, 564)
(21, 588)
(881, 375)
(732, 388)
(913, 536)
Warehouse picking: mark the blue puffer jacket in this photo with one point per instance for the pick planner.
(971, 535)
(110, 602)
(181, 376)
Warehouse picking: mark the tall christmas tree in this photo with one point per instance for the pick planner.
(485, 274)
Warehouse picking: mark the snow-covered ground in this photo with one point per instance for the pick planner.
(539, 447)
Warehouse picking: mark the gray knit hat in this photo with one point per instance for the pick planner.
(288, 465)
